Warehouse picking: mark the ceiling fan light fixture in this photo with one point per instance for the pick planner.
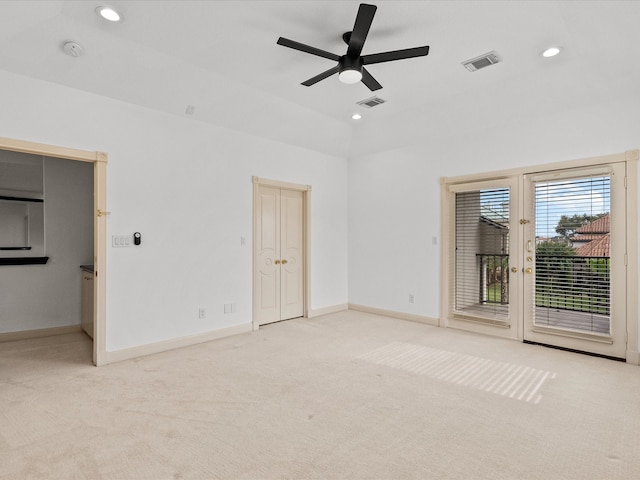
(350, 75)
(109, 14)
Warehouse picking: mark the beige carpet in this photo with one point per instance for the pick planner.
(348, 395)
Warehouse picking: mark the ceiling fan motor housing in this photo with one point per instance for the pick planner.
(350, 69)
(348, 63)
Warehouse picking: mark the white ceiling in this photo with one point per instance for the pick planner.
(222, 58)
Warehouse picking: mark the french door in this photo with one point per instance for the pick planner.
(541, 258)
(574, 273)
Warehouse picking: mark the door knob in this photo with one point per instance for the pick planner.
(514, 269)
(277, 262)
(528, 270)
(284, 261)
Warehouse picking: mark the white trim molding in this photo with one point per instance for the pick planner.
(633, 357)
(38, 333)
(172, 344)
(318, 312)
(393, 314)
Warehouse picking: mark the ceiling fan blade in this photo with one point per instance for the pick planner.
(395, 55)
(361, 29)
(285, 42)
(321, 76)
(369, 81)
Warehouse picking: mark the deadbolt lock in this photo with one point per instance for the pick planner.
(514, 269)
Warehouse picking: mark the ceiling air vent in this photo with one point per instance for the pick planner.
(482, 61)
(371, 102)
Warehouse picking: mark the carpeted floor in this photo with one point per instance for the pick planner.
(348, 395)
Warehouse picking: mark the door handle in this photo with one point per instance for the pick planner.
(514, 269)
(284, 262)
(529, 246)
(277, 262)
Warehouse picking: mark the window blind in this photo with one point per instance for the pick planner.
(572, 265)
(481, 284)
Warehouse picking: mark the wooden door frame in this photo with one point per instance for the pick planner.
(306, 241)
(99, 160)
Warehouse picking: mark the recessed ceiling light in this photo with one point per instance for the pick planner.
(356, 116)
(109, 13)
(550, 52)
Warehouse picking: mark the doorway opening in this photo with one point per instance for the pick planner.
(99, 161)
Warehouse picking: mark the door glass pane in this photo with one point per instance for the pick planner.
(482, 254)
(573, 238)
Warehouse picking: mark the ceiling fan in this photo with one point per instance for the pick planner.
(350, 67)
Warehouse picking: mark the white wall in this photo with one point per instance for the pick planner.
(186, 186)
(394, 196)
(46, 296)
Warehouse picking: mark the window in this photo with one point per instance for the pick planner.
(21, 205)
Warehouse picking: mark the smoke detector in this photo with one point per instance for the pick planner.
(371, 102)
(73, 49)
(482, 61)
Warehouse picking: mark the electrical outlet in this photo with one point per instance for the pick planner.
(411, 298)
(202, 313)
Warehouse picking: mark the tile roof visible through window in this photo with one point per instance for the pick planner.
(601, 225)
(594, 238)
(595, 248)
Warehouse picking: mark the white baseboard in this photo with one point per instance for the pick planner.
(159, 347)
(38, 333)
(633, 357)
(327, 310)
(391, 313)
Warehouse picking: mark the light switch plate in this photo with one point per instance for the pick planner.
(120, 241)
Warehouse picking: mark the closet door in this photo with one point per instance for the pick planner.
(279, 255)
(291, 249)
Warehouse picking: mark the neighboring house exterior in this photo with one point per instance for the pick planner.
(593, 239)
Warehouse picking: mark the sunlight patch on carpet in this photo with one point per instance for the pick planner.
(506, 379)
